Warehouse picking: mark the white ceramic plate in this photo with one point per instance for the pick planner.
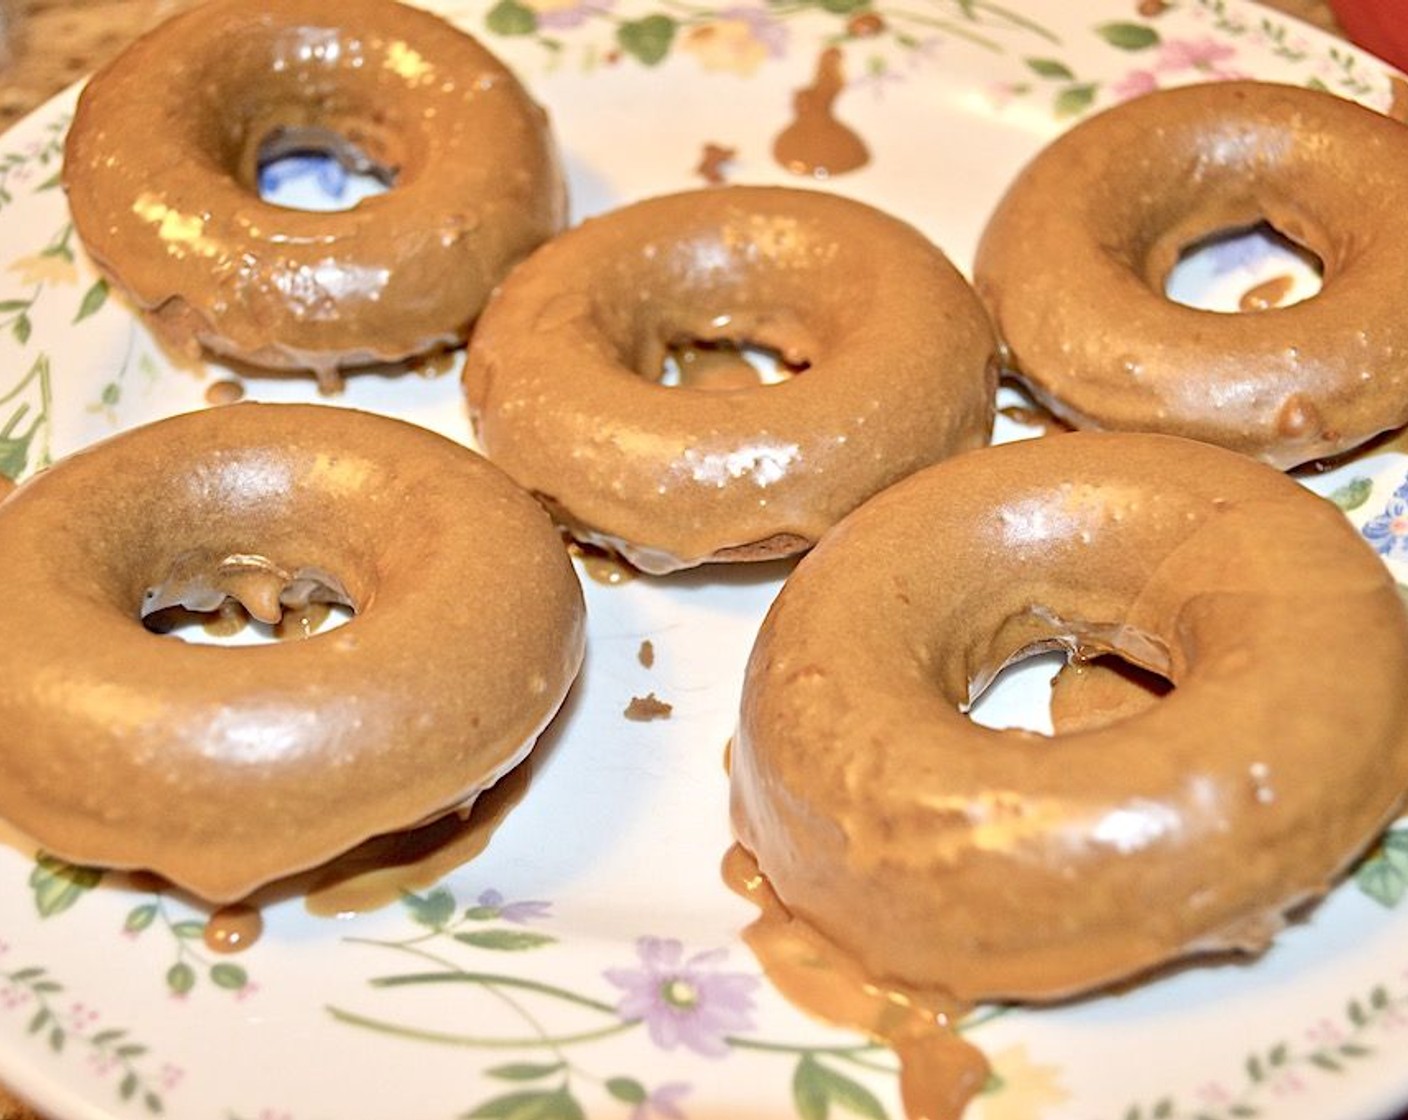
(530, 983)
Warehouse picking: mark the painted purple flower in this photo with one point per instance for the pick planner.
(1388, 532)
(662, 1102)
(562, 16)
(684, 1001)
(519, 913)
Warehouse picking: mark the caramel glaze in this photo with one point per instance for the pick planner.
(562, 373)
(161, 173)
(939, 1071)
(815, 143)
(1073, 263)
(223, 768)
(1012, 866)
(233, 928)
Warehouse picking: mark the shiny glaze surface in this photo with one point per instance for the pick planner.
(1073, 261)
(563, 372)
(161, 167)
(1010, 865)
(221, 767)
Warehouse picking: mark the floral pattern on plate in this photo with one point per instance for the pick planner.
(601, 973)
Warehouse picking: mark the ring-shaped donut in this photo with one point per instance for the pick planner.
(170, 210)
(563, 371)
(1073, 262)
(225, 767)
(1003, 864)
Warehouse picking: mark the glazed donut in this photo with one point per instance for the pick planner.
(170, 211)
(563, 372)
(1009, 865)
(1073, 262)
(225, 767)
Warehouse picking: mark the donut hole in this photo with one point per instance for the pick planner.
(317, 168)
(1054, 693)
(1244, 269)
(230, 624)
(235, 598)
(722, 364)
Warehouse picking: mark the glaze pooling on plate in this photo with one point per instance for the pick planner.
(590, 958)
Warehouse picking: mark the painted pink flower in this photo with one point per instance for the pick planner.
(1135, 84)
(1326, 1032)
(684, 1001)
(81, 1017)
(1191, 54)
(1287, 1083)
(1214, 1093)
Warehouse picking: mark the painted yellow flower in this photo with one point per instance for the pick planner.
(729, 44)
(1025, 1090)
(41, 268)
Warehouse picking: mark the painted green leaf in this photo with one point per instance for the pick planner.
(1074, 100)
(524, 1071)
(192, 929)
(647, 40)
(505, 940)
(22, 328)
(1383, 876)
(1051, 68)
(530, 1104)
(129, 1086)
(231, 977)
(815, 1088)
(10, 305)
(626, 1089)
(180, 978)
(482, 913)
(93, 299)
(140, 917)
(1128, 36)
(1353, 493)
(433, 910)
(844, 7)
(808, 1093)
(14, 454)
(56, 884)
(509, 17)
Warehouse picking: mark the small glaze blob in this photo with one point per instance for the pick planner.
(1073, 262)
(172, 215)
(895, 356)
(1008, 865)
(223, 768)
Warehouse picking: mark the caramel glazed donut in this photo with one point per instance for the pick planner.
(225, 767)
(162, 161)
(1009, 865)
(563, 372)
(1073, 262)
